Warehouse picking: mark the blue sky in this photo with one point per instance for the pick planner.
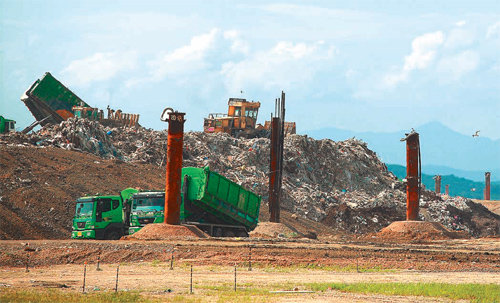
(358, 65)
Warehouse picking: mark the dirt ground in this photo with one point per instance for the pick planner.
(277, 265)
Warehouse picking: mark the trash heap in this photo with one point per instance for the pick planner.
(341, 184)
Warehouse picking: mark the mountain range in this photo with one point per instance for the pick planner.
(444, 151)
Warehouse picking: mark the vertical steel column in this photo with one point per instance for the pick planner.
(273, 169)
(437, 184)
(174, 167)
(487, 188)
(447, 189)
(412, 175)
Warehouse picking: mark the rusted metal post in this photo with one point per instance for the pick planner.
(191, 282)
(174, 166)
(117, 271)
(487, 176)
(273, 178)
(437, 184)
(84, 275)
(412, 175)
(447, 189)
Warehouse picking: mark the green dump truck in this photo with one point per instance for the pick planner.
(47, 97)
(210, 201)
(147, 207)
(217, 205)
(7, 125)
(102, 217)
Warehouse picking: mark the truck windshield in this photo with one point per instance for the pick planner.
(84, 209)
(149, 202)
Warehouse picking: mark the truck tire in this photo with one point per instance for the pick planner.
(113, 234)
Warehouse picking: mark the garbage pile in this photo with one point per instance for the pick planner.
(341, 184)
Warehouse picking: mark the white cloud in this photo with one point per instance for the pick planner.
(281, 66)
(424, 49)
(238, 45)
(459, 37)
(454, 67)
(493, 30)
(461, 23)
(98, 67)
(185, 59)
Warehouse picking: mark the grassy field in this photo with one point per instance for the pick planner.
(251, 293)
(472, 292)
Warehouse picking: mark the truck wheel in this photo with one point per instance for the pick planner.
(113, 235)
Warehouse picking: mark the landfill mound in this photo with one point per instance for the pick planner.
(274, 230)
(419, 230)
(341, 184)
(160, 231)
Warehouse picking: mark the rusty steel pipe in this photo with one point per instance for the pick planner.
(174, 167)
(273, 169)
(437, 184)
(487, 188)
(412, 176)
(447, 189)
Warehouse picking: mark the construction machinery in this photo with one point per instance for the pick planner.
(241, 120)
(7, 125)
(213, 203)
(51, 102)
(241, 116)
(102, 217)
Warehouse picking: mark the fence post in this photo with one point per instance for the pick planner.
(234, 277)
(191, 282)
(250, 259)
(84, 275)
(117, 270)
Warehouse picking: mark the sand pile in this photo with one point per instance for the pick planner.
(162, 231)
(274, 230)
(419, 230)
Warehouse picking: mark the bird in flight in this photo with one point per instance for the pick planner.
(476, 134)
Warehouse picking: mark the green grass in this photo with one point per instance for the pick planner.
(314, 266)
(472, 292)
(55, 295)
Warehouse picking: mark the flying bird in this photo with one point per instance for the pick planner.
(476, 134)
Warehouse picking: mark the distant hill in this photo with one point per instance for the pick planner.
(444, 151)
(458, 186)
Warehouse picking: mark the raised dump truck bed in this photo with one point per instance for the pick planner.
(49, 97)
(217, 204)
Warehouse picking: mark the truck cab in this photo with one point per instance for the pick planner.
(102, 217)
(147, 207)
(7, 125)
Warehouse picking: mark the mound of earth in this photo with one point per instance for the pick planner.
(160, 231)
(274, 230)
(419, 230)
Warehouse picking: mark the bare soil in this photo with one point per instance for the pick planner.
(167, 232)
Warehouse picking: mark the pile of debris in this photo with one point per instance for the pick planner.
(342, 184)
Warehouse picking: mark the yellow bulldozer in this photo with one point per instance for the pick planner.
(241, 120)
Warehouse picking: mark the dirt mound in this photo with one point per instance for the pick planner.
(419, 230)
(160, 231)
(39, 186)
(274, 230)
